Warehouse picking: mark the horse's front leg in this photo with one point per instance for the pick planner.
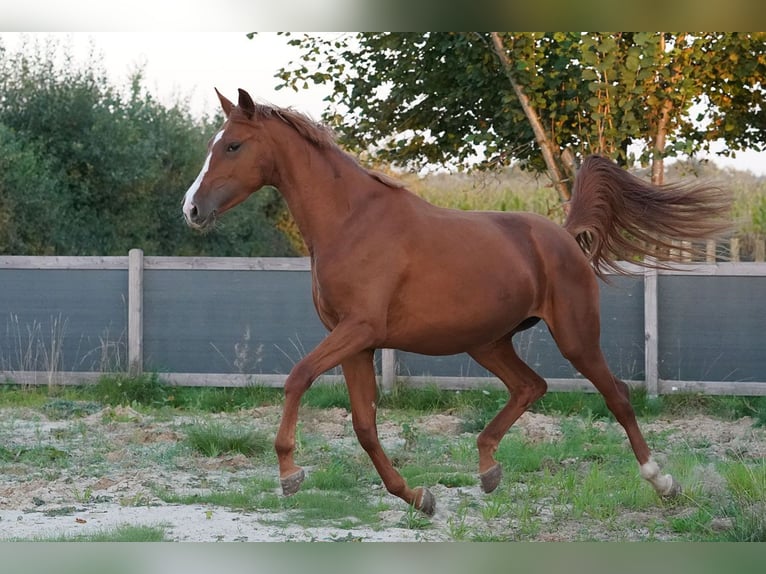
(359, 371)
(347, 339)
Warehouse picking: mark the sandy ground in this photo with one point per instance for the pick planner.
(68, 502)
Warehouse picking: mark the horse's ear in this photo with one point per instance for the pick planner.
(225, 103)
(246, 103)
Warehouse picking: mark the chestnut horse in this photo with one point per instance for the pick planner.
(390, 270)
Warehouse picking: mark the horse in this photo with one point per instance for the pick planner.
(390, 270)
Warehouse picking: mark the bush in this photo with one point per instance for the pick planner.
(120, 390)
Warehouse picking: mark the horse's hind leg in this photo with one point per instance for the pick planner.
(359, 372)
(525, 387)
(576, 330)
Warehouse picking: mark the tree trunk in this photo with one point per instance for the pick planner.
(658, 161)
(658, 152)
(561, 183)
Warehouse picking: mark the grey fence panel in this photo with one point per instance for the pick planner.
(622, 339)
(205, 321)
(712, 328)
(200, 321)
(63, 319)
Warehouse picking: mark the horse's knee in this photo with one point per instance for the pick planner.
(367, 434)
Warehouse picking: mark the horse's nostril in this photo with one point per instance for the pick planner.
(193, 212)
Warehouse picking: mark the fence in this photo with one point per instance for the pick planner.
(241, 321)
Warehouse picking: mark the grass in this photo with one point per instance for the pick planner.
(40, 455)
(215, 439)
(478, 405)
(121, 533)
(515, 190)
(583, 484)
(119, 390)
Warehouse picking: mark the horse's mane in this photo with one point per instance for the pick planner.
(319, 135)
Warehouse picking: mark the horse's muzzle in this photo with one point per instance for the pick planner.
(197, 220)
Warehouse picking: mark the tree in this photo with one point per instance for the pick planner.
(89, 168)
(29, 205)
(544, 100)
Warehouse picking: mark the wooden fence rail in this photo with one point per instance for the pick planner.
(136, 264)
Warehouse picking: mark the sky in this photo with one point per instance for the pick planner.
(181, 65)
(187, 65)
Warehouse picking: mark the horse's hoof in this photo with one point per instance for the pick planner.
(427, 504)
(292, 483)
(491, 478)
(674, 490)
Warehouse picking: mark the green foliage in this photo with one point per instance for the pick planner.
(120, 389)
(42, 455)
(438, 97)
(337, 474)
(121, 533)
(59, 408)
(89, 168)
(328, 396)
(579, 484)
(29, 204)
(429, 398)
(226, 399)
(212, 439)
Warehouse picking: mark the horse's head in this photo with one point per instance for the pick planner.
(234, 167)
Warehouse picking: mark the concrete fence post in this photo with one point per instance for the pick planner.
(135, 311)
(388, 370)
(651, 328)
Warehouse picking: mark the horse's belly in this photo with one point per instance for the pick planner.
(450, 331)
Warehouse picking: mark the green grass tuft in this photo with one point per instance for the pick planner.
(122, 390)
(122, 533)
(41, 455)
(214, 439)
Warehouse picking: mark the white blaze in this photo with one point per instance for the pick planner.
(189, 196)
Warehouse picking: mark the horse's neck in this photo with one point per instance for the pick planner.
(321, 187)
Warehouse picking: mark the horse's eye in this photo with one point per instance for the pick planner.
(234, 146)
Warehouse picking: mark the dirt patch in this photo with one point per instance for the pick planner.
(723, 438)
(104, 470)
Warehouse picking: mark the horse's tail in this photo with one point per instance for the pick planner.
(616, 216)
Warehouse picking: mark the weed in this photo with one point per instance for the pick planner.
(41, 455)
(35, 348)
(336, 476)
(429, 399)
(327, 396)
(413, 519)
(61, 511)
(495, 507)
(749, 524)
(457, 479)
(121, 390)
(335, 506)
(138, 499)
(457, 527)
(410, 435)
(217, 400)
(57, 408)
(82, 496)
(695, 523)
(122, 533)
(214, 439)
